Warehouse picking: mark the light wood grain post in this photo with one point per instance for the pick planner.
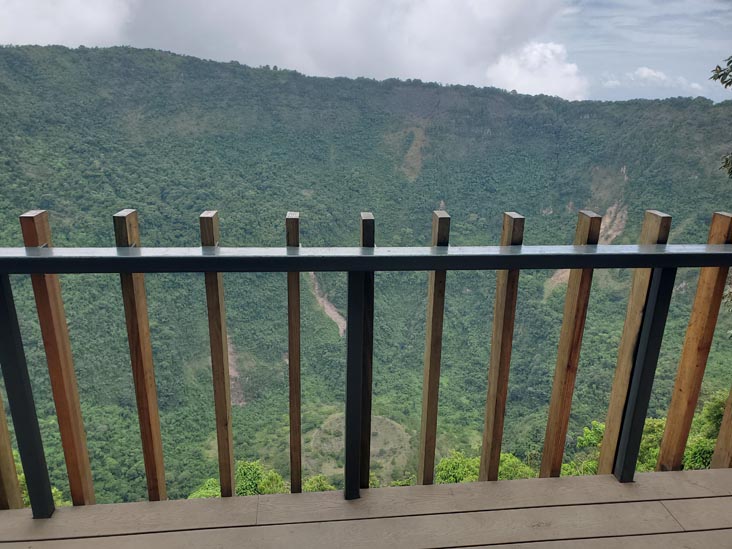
(292, 230)
(722, 457)
(134, 297)
(432, 354)
(367, 241)
(655, 230)
(210, 236)
(504, 316)
(697, 344)
(55, 333)
(10, 497)
(570, 343)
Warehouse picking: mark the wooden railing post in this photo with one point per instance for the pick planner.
(55, 333)
(367, 241)
(210, 236)
(697, 344)
(722, 457)
(22, 406)
(504, 315)
(655, 230)
(354, 382)
(644, 370)
(10, 497)
(432, 354)
(134, 297)
(292, 230)
(570, 343)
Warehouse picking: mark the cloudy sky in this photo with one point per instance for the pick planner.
(577, 49)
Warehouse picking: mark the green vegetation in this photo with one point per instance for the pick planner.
(87, 132)
(58, 497)
(252, 478)
(317, 483)
(459, 468)
(723, 75)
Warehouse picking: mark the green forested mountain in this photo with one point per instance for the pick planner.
(87, 132)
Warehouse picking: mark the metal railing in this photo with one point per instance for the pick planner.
(359, 263)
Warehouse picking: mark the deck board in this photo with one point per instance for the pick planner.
(594, 511)
(124, 518)
(678, 540)
(480, 496)
(430, 531)
(702, 514)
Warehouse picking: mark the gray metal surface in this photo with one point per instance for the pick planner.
(22, 406)
(146, 260)
(354, 382)
(644, 370)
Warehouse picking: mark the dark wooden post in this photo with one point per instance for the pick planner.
(504, 315)
(570, 343)
(10, 497)
(210, 236)
(697, 343)
(134, 297)
(55, 333)
(433, 354)
(722, 457)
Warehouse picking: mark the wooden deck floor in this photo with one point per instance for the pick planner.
(676, 509)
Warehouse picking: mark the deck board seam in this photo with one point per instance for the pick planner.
(489, 544)
(256, 512)
(672, 515)
(480, 510)
(587, 538)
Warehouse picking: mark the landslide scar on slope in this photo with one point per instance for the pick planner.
(328, 308)
(613, 225)
(607, 186)
(414, 139)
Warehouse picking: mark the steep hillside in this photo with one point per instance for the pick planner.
(87, 132)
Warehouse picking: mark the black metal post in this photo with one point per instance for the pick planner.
(22, 406)
(644, 369)
(354, 383)
(367, 376)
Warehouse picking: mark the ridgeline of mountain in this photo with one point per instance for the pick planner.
(87, 132)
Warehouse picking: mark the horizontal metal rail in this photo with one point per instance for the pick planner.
(358, 261)
(289, 259)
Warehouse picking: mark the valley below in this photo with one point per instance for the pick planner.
(86, 132)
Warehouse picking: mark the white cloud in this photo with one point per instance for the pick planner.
(66, 22)
(539, 67)
(476, 42)
(448, 41)
(437, 40)
(648, 75)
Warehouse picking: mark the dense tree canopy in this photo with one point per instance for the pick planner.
(724, 76)
(87, 132)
